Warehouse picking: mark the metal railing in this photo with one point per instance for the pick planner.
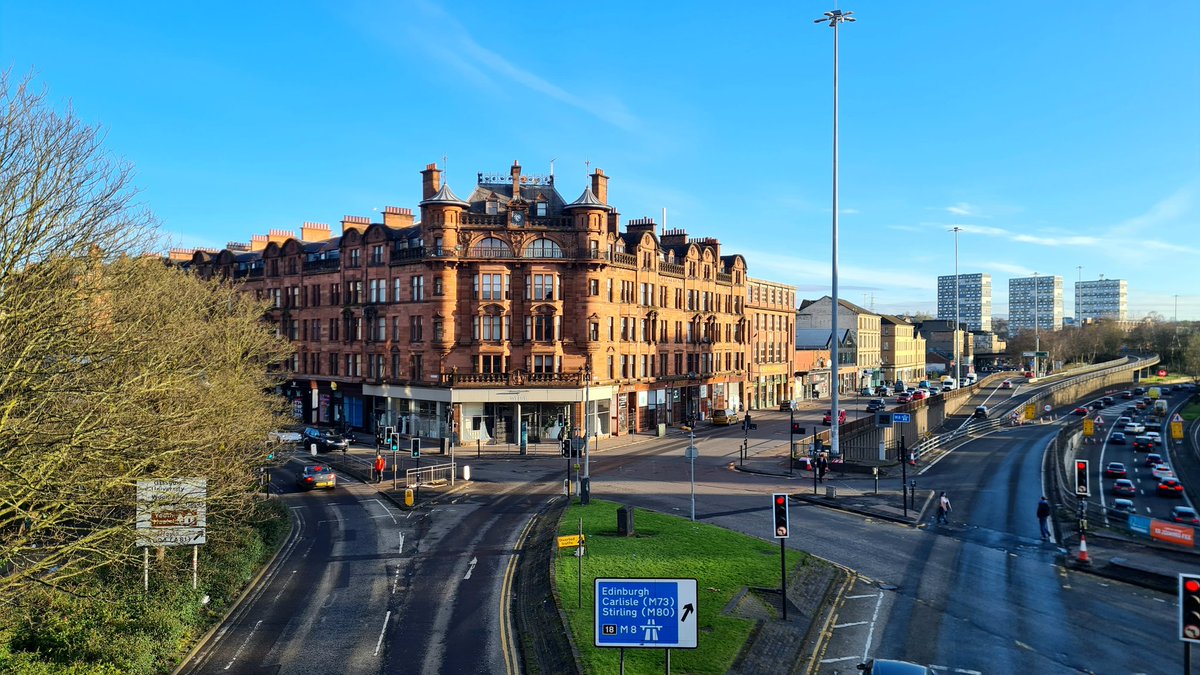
(430, 475)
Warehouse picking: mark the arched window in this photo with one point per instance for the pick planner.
(543, 248)
(491, 248)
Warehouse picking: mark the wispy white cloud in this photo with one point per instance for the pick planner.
(962, 209)
(439, 34)
(1057, 241)
(849, 212)
(1009, 268)
(1173, 207)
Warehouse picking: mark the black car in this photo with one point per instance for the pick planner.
(1127, 394)
(1117, 438)
(875, 404)
(326, 440)
(1107, 400)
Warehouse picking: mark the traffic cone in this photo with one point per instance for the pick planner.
(1083, 554)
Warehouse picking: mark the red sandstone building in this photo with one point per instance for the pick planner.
(510, 306)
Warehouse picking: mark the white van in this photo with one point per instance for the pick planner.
(948, 383)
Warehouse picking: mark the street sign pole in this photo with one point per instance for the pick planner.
(691, 451)
(903, 470)
(791, 437)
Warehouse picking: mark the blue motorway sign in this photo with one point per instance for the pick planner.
(900, 418)
(646, 613)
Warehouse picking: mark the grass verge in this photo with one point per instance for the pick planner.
(1190, 412)
(721, 561)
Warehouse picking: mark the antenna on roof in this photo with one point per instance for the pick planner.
(445, 168)
(587, 169)
(552, 166)
(664, 230)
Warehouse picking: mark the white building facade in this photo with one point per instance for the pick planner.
(974, 300)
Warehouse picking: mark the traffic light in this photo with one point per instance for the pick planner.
(566, 447)
(883, 419)
(395, 442)
(416, 448)
(797, 429)
(779, 506)
(1189, 607)
(1081, 478)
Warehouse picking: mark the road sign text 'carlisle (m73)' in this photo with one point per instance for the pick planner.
(656, 613)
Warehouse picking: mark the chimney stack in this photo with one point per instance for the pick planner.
(355, 223)
(258, 242)
(516, 179)
(279, 236)
(431, 181)
(315, 232)
(600, 186)
(396, 217)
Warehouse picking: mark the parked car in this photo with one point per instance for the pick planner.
(313, 476)
(827, 421)
(1117, 438)
(1123, 486)
(1184, 514)
(1170, 487)
(326, 440)
(981, 412)
(1142, 443)
(725, 417)
(1114, 470)
(875, 404)
(787, 405)
(1121, 509)
(1007, 384)
(1153, 459)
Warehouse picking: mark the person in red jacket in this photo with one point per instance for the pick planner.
(380, 465)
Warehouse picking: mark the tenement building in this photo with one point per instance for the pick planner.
(498, 316)
(771, 315)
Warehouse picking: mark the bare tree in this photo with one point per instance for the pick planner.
(113, 367)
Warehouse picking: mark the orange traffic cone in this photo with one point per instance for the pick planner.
(1083, 554)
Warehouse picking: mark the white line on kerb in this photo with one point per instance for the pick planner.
(847, 625)
(382, 631)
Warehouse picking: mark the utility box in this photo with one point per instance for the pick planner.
(625, 521)
(830, 491)
(662, 430)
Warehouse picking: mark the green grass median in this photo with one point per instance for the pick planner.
(721, 561)
(1190, 412)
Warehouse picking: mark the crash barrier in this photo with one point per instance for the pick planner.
(430, 475)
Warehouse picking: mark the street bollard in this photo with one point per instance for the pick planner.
(913, 486)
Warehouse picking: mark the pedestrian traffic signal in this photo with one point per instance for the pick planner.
(395, 442)
(797, 429)
(779, 506)
(1081, 478)
(416, 448)
(1189, 607)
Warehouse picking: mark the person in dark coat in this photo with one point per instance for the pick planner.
(1043, 516)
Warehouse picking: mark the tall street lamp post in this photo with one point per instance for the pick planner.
(833, 18)
(1037, 336)
(585, 487)
(957, 364)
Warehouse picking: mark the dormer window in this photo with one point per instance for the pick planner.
(492, 206)
(539, 209)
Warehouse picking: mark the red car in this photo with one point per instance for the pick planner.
(903, 398)
(1170, 487)
(1080, 411)
(919, 395)
(829, 417)
(1028, 373)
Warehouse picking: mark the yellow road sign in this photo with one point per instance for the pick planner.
(1030, 411)
(571, 540)
(1089, 427)
(1177, 431)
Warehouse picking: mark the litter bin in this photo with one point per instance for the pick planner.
(662, 430)
(830, 491)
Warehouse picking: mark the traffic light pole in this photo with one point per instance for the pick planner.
(903, 471)
(791, 437)
(783, 578)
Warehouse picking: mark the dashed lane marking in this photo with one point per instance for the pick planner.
(847, 625)
(840, 658)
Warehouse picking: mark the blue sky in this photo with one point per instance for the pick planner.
(1055, 138)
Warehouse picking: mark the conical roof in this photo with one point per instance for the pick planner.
(445, 196)
(587, 200)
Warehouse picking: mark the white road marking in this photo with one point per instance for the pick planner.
(847, 625)
(964, 671)
(401, 550)
(283, 586)
(243, 645)
(471, 568)
(871, 632)
(840, 658)
(382, 631)
(386, 510)
(856, 597)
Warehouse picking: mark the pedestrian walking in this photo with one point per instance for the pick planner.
(822, 468)
(1043, 516)
(944, 509)
(380, 465)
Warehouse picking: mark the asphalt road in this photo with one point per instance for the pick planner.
(365, 587)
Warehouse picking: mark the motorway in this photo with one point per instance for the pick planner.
(364, 587)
